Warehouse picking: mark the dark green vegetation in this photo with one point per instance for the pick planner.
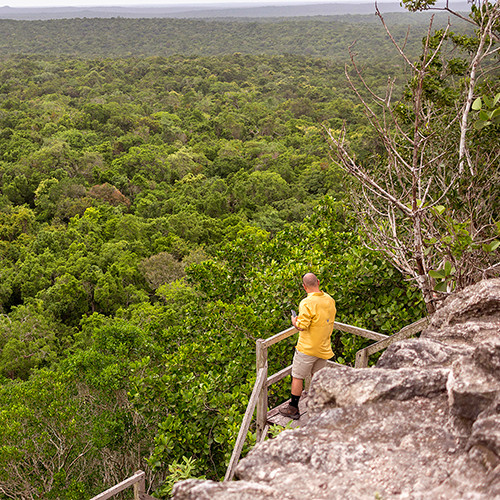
(323, 36)
(156, 216)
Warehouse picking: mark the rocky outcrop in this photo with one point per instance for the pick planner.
(425, 423)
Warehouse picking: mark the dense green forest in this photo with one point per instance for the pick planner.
(156, 215)
(321, 36)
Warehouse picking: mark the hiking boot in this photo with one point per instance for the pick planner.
(290, 412)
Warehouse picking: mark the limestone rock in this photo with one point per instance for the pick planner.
(487, 356)
(345, 386)
(468, 317)
(211, 490)
(420, 353)
(367, 450)
(471, 390)
(486, 433)
(477, 302)
(344, 453)
(423, 424)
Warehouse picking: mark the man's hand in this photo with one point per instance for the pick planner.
(294, 323)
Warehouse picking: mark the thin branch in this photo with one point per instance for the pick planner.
(84, 452)
(377, 12)
(353, 168)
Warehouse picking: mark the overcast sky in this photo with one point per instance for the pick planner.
(86, 3)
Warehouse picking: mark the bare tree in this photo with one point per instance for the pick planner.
(427, 204)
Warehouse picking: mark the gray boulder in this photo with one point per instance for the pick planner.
(345, 386)
(421, 353)
(472, 387)
(211, 490)
(469, 317)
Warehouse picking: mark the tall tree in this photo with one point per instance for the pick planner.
(428, 202)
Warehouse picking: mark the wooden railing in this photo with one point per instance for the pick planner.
(137, 481)
(260, 383)
(259, 398)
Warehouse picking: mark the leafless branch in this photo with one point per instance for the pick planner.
(403, 55)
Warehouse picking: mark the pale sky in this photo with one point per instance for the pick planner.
(101, 3)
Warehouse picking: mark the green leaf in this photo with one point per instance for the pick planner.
(441, 287)
(438, 209)
(483, 115)
(447, 268)
(496, 100)
(495, 114)
(480, 124)
(477, 104)
(437, 274)
(490, 247)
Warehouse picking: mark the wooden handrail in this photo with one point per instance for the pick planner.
(279, 337)
(245, 424)
(360, 332)
(279, 375)
(137, 481)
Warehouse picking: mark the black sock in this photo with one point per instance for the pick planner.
(295, 401)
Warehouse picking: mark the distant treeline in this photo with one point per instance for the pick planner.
(235, 10)
(327, 36)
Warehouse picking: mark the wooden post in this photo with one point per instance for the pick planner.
(261, 362)
(140, 489)
(361, 359)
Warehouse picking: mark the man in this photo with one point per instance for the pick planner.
(315, 324)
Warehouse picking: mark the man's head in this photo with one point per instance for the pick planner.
(310, 282)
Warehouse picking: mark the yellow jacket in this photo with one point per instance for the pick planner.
(316, 317)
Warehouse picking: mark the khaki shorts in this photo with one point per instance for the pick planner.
(304, 365)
